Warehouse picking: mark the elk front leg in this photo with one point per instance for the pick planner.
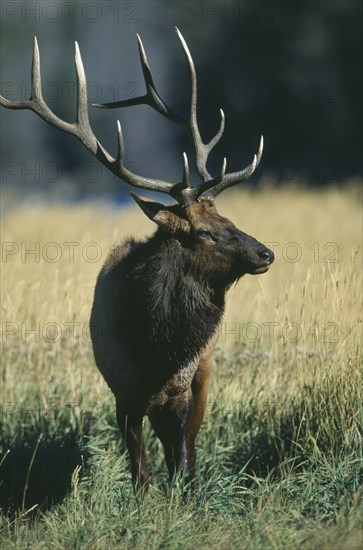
(200, 386)
(172, 425)
(130, 425)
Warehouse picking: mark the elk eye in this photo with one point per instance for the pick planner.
(205, 234)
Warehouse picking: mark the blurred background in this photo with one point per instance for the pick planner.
(290, 70)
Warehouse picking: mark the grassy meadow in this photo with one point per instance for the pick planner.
(280, 452)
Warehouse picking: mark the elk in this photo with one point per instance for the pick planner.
(158, 303)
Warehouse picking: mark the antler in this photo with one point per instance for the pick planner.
(81, 129)
(211, 187)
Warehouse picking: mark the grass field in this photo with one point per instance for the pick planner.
(280, 459)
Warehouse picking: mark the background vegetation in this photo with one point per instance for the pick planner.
(280, 451)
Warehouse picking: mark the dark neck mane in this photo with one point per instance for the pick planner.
(177, 313)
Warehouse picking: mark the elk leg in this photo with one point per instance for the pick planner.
(171, 425)
(163, 427)
(200, 386)
(130, 426)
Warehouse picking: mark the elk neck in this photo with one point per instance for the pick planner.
(175, 309)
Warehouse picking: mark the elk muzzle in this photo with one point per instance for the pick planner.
(254, 257)
(265, 257)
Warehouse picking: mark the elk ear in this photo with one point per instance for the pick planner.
(166, 217)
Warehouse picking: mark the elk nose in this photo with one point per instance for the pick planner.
(267, 255)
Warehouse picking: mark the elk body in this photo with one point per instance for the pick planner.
(158, 303)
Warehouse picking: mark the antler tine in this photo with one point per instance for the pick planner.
(202, 150)
(82, 96)
(214, 187)
(36, 76)
(186, 171)
(151, 97)
(37, 104)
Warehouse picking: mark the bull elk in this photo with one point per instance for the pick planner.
(158, 303)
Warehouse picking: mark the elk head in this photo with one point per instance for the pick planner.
(223, 252)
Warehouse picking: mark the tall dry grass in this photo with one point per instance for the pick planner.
(304, 311)
(280, 448)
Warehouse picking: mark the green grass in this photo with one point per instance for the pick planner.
(280, 460)
(268, 477)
